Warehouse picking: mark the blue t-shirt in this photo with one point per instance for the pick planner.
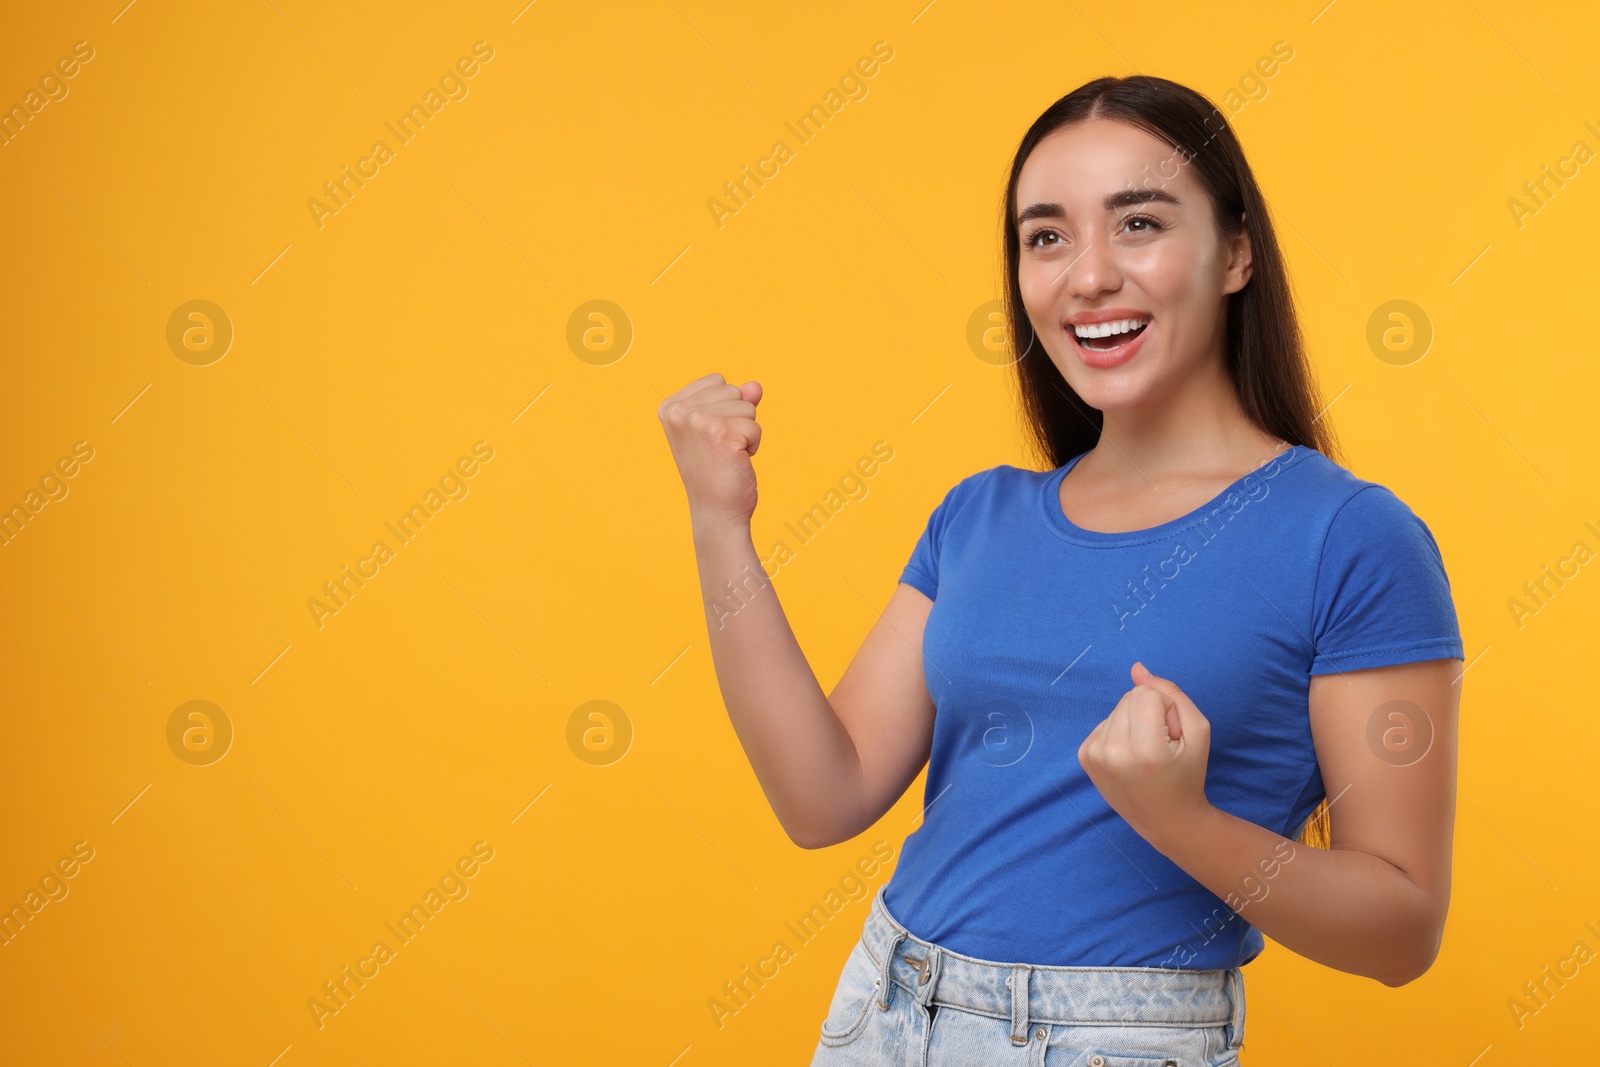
(1299, 568)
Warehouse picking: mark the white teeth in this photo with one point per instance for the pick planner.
(1106, 329)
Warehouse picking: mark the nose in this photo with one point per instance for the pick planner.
(1093, 270)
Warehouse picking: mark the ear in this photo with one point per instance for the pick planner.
(1240, 261)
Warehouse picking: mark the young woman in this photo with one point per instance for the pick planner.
(1152, 664)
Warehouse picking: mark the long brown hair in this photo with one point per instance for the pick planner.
(1263, 348)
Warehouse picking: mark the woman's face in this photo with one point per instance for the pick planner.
(1112, 221)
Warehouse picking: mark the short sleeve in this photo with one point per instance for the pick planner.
(1382, 596)
(921, 572)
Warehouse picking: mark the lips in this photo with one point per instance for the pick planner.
(1124, 348)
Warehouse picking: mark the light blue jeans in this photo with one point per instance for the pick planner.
(906, 1002)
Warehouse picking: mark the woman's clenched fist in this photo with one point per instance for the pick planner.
(1148, 757)
(712, 430)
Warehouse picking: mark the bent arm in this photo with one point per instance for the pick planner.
(830, 767)
(1373, 904)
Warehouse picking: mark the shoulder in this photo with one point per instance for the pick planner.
(1365, 526)
(1380, 594)
(984, 498)
(991, 483)
(1002, 494)
(1345, 502)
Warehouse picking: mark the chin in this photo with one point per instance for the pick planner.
(1104, 403)
(1106, 392)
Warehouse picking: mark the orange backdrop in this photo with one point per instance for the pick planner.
(349, 589)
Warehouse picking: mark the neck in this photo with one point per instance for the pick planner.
(1193, 424)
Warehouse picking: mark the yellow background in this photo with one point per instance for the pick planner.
(432, 310)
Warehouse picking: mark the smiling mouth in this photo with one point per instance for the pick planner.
(1109, 342)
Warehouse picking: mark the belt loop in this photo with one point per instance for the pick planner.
(1236, 994)
(1019, 980)
(884, 983)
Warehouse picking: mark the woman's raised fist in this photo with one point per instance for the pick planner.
(712, 430)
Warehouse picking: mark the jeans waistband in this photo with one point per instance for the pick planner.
(1069, 996)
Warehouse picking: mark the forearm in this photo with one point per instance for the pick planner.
(797, 745)
(1345, 909)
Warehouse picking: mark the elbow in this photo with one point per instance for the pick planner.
(1413, 935)
(827, 814)
(812, 838)
(813, 835)
(812, 844)
(823, 826)
(1416, 963)
(1396, 979)
(1413, 968)
(809, 842)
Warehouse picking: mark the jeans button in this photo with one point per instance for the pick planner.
(1097, 1060)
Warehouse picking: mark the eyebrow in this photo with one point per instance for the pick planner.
(1125, 198)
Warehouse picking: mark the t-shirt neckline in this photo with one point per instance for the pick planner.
(1050, 500)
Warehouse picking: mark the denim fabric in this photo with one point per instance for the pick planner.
(905, 1002)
